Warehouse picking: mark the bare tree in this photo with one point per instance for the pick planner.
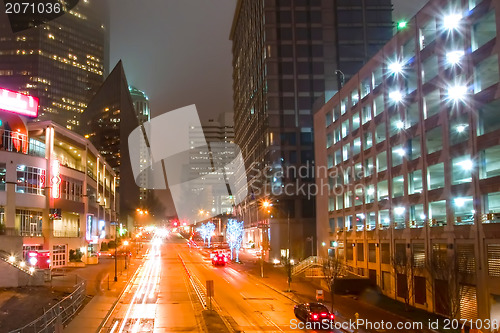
(451, 276)
(404, 271)
(332, 268)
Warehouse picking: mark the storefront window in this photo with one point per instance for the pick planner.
(30, 180)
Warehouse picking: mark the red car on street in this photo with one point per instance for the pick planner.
(219, 258)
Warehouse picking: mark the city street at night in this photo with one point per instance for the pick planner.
(237, 166)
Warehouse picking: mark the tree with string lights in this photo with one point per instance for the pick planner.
(234, 235)
(206, 231)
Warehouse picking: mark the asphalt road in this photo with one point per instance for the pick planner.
(160, 297)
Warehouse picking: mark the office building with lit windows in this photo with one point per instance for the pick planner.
(143, 113)
(108, 121)
(217, 139)
(60, 62)
(408, 164)
(288, 54)
(57, 193)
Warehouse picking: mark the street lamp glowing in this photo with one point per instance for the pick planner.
(266, 204)
(125, 243)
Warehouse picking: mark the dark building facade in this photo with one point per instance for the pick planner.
(108, 121)
(60, 62)
(287, 55)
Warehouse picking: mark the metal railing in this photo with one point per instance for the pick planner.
(66, 233)
(307, 263)
(58, 315)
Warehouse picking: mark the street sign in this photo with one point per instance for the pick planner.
(210, 288)
(210, 292)
(319, 295)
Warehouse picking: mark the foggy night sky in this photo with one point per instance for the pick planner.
(179, 52)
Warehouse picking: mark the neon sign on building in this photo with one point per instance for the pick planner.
(16, 102)
(55, 182)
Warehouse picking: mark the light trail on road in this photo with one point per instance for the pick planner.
(142, 307)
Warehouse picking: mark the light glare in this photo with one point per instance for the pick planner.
(451, 22)
(454, 57)
(457, 92)
(396, 96)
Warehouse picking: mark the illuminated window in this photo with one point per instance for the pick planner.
(354, 97)
(483, 30)
(398, 152)
(412, 115)
(367, 140)
(368, 167)
(366, 113)
(346, 151)
(415, 184)
(3, 172)
(462, 168)
(435, 176)
(355, 121)
(428, 33)
(486, 73)
(380, 133)
(30, 180)
(488, 119)
(382, 190)
(356, 148)
(490, 162)
(382, 161)
(430, 68)
(434, 139)
(459, 128)
(345, 128)
(437, 213)
(431, 103)
(398, 186)
(413, 148)
(365, 87)
(378, 106)
(370, 194)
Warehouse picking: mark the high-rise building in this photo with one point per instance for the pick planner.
(60, 62)
(288, 54)
(219, 136)
(408, 150)
(143, 113)
(108, 121)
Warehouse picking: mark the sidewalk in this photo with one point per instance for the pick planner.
(369, 306)
(93, 313)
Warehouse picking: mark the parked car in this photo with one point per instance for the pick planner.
(313, 312)
(105, 254)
